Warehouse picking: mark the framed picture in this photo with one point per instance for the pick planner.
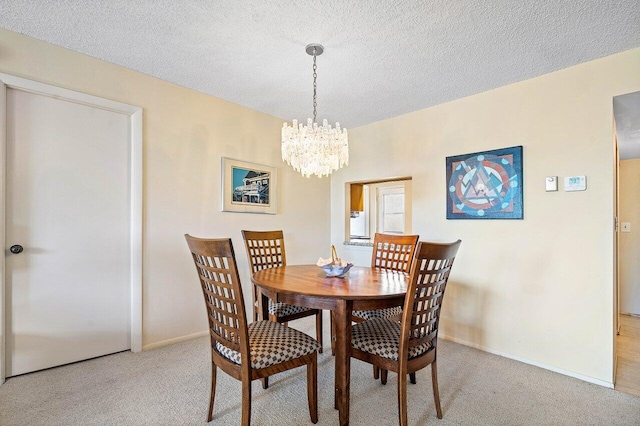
(485, 185)
(248, 187)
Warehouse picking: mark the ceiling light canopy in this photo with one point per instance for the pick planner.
(312, 149)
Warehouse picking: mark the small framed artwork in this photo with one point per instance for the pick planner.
(248, 187)
(485, 185)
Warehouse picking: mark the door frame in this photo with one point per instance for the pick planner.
(135, 188)
(616, 248)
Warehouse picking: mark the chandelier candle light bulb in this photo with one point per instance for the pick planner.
(312, 149)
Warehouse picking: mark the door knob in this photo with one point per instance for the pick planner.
(16, 249)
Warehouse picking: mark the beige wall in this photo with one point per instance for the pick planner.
(629, 243)
(185, 135)
(538, 289)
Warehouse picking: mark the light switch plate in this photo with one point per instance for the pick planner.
(575, 183)
(551, 183)
(625, 227)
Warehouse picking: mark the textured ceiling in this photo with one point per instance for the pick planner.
(382, 58)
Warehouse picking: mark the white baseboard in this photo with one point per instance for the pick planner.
(530, 362)
(174, 340)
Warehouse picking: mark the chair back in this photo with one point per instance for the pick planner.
(216, 266)
(393, 252)
(430, 271)
(265, 249)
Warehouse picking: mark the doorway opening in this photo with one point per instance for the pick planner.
(381, 206)
(627, 269)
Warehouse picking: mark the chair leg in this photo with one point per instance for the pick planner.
(333, 335)
(214, 370)
(246, 401)
(402, 398)
(256, 311)
(312, 388)
(319, 329)
(376, 373)
(436, 394)
(412, 378)
(256, 304)
(383, 376)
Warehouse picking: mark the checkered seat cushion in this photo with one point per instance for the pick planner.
(394, 312)
(280, 309)
(272, 343)
(380, 336)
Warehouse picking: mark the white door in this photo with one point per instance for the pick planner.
(68, 205)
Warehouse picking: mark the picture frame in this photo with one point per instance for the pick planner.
(485, 185)
(249, 187)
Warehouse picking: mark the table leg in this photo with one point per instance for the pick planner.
(342, 322)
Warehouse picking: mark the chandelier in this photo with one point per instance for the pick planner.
(312, 149)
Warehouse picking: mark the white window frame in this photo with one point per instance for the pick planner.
(381, 192)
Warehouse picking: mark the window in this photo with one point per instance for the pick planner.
(378, 206)
(390, 206)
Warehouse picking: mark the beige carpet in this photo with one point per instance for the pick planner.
(169, 386)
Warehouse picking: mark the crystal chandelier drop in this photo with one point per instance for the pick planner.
(312, 149)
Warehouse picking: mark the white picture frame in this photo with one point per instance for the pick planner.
(249, 187)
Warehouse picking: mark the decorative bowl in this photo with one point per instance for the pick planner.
(334, 267)
(339, 271)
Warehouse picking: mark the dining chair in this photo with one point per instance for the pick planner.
(393, 253)
(265, 249)
(409, 345)
(269, 347)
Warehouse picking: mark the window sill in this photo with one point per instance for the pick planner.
(359, 243)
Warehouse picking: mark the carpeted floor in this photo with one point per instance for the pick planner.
(170, 386)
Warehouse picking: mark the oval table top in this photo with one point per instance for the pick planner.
(360, 283)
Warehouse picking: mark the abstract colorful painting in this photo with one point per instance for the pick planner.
(485, 185)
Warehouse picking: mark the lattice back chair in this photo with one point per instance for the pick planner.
(393, 253)
(265, 249)
(411, 344)
(270, 347)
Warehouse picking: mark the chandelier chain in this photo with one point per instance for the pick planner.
(315, 86)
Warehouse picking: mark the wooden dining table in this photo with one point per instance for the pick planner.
(363, 288)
